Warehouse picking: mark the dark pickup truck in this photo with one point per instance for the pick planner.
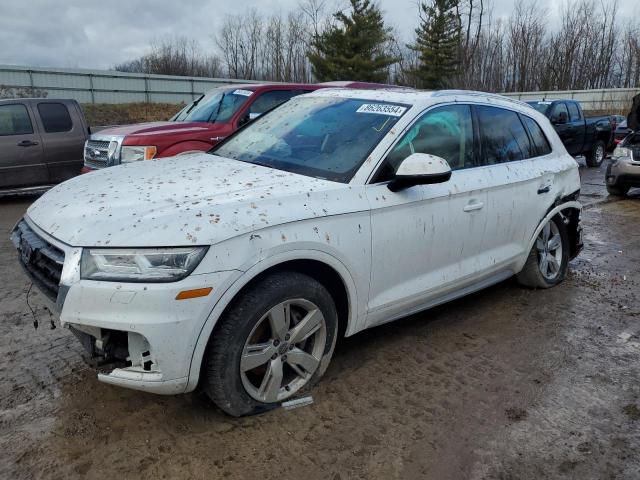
(41, 143)
(581, 135)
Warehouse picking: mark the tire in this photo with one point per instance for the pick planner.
(234, 373)
(597, 154)
(618, 191)
(532, 275)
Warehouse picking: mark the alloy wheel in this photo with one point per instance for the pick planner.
(549, 246)
(283, 350)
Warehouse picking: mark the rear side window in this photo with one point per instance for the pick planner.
(574, 113)
(268, 100)
(14, 120)
(538, 137)
(504, 138)
(55, 117)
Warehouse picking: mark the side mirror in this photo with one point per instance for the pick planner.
(249, 117)
(420, 169)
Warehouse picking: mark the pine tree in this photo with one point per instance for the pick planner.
(438, 44)
(354, 48)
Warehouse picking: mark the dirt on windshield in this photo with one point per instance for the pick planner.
(505, 383)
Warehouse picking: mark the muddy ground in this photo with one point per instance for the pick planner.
(507, 383)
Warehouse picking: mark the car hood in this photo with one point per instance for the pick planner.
(159, 128)
(195, 199)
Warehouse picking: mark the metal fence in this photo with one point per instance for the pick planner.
(612, 100)
(105, 86)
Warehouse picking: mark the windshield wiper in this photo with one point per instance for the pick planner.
(193, 105)
(213, 116)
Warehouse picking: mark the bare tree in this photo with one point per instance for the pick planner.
(175, 56)
(590, 48)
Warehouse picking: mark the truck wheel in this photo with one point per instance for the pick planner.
(596, 155)
(276, 340)
(548, 260)
(619, 191)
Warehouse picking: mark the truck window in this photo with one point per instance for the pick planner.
(537, 136)
(268, 100)
(574, 111)
(14, 120)
(55, 117)
(504, 138)
(558, 109)
(446, 132)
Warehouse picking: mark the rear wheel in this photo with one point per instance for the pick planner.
(596, 155)
(275, 341)
(548, 260)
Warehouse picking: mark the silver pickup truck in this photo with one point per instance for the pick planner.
(41, 143)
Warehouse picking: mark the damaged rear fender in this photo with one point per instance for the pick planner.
(558, 209)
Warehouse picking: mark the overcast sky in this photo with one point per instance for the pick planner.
(100, 34)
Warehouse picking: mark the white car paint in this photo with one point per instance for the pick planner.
(396, 253)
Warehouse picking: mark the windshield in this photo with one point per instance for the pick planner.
(218, 105)
(542, 107)
(322, 137)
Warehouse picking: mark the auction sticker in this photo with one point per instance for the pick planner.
(244, 93)
(382, 109)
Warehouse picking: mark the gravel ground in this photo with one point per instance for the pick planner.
(506, 383)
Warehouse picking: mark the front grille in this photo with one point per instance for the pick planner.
(95, 153)
(41, 260)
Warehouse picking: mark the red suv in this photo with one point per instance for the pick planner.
(198, 126)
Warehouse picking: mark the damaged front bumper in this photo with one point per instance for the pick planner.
(139, 335)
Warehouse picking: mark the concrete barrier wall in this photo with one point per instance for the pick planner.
(105, 86)
(608, 100)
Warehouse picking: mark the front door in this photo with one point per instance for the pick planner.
(21, 156)
(426, 239)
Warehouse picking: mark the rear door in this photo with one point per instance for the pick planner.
(570, 132)
(63, 138)
(21, 158)
(521, 169)
(579, 130)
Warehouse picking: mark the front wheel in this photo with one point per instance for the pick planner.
(275, 341)
(548, 260)
(596, 155)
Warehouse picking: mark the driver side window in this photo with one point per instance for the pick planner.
(446, 132)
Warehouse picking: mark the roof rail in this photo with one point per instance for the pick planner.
(442, 93)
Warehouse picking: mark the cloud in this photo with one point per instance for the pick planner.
(99, 34)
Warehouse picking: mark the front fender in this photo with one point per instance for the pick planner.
(239, 281)
(184, 147)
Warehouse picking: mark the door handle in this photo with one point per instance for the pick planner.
(546, 189)
(27, 143)
(473, 206)
(217, 139)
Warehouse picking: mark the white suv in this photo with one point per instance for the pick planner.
(239, 268)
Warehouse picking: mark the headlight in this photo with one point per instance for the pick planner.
(621, 153)
(112, 149)
(139, 265)
(134, 154)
